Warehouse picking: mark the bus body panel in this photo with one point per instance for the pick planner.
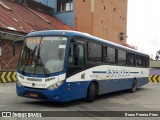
(112, 78)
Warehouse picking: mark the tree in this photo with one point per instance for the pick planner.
(157, 55)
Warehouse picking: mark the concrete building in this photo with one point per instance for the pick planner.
(106, 19)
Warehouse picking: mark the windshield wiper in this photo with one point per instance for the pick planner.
(28, 59)
(42, 64)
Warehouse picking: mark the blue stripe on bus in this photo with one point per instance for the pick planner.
(99, 71)
(113, 72)
(134, 72)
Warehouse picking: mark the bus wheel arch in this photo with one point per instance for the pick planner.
(134, 85)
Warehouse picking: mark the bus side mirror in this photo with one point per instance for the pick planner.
(13, 46)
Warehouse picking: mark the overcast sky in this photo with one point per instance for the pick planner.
(143, 27)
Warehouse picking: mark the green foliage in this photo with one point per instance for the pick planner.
(158, 52)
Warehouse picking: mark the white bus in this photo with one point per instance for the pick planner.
(58, 65)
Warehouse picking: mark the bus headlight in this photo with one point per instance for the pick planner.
(56, 85)
(19, 83)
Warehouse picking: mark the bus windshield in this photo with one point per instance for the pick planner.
(43, 55)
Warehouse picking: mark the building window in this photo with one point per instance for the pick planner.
(64, 5)
(94, 52)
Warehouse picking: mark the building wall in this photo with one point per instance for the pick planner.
(50, 3)
(102, 18)
(66, 17)
(83, 16)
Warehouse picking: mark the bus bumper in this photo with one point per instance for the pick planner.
(56, 95)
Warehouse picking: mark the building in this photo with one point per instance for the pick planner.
(16, 20)
(106, 19)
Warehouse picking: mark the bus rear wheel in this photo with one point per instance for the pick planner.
(134, 86)
(91, 92)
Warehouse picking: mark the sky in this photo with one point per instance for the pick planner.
(143, 25)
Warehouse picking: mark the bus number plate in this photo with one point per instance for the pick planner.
(33, 95)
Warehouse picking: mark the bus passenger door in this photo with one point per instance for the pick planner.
(76, 58)
(76, 64)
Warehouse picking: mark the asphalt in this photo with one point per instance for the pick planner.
(146, 98)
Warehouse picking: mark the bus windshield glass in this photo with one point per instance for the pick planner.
(43, 55)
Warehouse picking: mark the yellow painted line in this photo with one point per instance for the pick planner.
(9, 76)
(154, 78)
(14, 76)
(3, 75)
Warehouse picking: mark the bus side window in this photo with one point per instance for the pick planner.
(105, 54)
(130, 59)
(143, 61)
(121, 57)
(138, 60)
(71, 58)
(81, 56)
(76, 55)
(111, 55)
(95, 52)
(146, 61)
(76, 58)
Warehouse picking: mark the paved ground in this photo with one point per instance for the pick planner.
(146, 98)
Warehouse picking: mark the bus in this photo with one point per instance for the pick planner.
(61, 66)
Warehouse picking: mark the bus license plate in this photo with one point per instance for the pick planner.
(33, 95)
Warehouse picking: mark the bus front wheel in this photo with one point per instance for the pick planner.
(134, 86)
(91, 92)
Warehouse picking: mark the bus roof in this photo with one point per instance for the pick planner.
(76, 33)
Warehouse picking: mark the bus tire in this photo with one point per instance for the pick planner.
(134, 86)
(91, 92)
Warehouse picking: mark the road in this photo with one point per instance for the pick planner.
(146, 98)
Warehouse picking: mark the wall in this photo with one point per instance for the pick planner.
(66, 17)
(154, 63)
(50, 3)
(154, 72)
(83, 16)
(107, 19)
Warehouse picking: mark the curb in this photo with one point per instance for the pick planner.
(7, 76)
